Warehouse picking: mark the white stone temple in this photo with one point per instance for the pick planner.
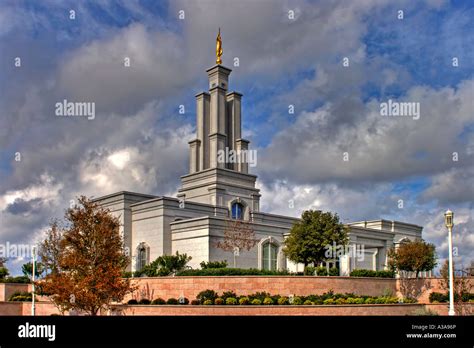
(215, 191)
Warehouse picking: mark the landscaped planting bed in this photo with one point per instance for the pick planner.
(229, 298)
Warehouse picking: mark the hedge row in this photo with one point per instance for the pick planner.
(210, 297)
(437, 297)
(319, 271)
(159, 301)
(21, 296)
(18, 280)
(229, 272)
(371, 273)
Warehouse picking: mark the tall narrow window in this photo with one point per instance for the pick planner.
(237, 211)
(269, 257)
(142, 257)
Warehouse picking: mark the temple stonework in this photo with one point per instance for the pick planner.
(215, 191)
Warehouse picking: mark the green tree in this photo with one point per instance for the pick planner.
(3, 269)
(413, 256)
(313, 236)
(27, 269)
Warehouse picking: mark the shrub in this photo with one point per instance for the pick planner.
(19, 280)
(344, 296)
(297, 301)
(310, 270)
(351, 300)
(268, 301)
(3, 272)
(321, 271)
(228, 294)
(207, 303)
(144, 301)
(206, 295)
(308, 303)
(326, 295)
(231, 301)
(372, 273)
(256, 302)
(328, 301)
(127, 274)
(140, 273)
(359, 300)
(391, 300)
(244, 301)
(158, 301)
(283, 301)
(334, 272)
(195, 303)
(369, 300)
(21, 296)
(213, 264)
(438, 297)
(166, 265)
(183, 301)
(340, 301)
(260, 295)
(172, 301)
(132, 301)
(409, 300)
(219, 301)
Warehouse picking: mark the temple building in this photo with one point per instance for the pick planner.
(216, 191)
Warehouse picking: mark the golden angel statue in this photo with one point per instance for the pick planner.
(219, 48)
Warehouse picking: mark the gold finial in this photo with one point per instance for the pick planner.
(219, 48)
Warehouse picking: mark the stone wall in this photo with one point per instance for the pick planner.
(177, 310)
(8, 289)
(47, 308)
(421, 288)
(24, 308)
(189, 287)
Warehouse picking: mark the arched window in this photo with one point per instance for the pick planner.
(237, 211)
(269, 256)
(142, 256)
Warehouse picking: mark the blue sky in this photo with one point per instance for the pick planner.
(282, 62)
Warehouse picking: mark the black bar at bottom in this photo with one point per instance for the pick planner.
(281, 330)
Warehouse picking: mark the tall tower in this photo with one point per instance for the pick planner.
(212, 180)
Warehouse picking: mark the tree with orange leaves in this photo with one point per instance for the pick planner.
(84, 260)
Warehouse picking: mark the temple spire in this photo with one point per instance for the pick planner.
(219, 48)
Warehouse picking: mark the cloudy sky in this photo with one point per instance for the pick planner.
(335, 152)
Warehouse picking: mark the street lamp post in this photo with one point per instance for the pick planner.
(449, 221)
(33, 254)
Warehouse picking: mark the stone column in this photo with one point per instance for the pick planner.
(242, 145)
(234, 129)
(194, 146)
(202, 128)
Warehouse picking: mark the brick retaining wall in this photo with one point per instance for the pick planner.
(177, 310)
(8, 289)
(47, 308)
(167, 287)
